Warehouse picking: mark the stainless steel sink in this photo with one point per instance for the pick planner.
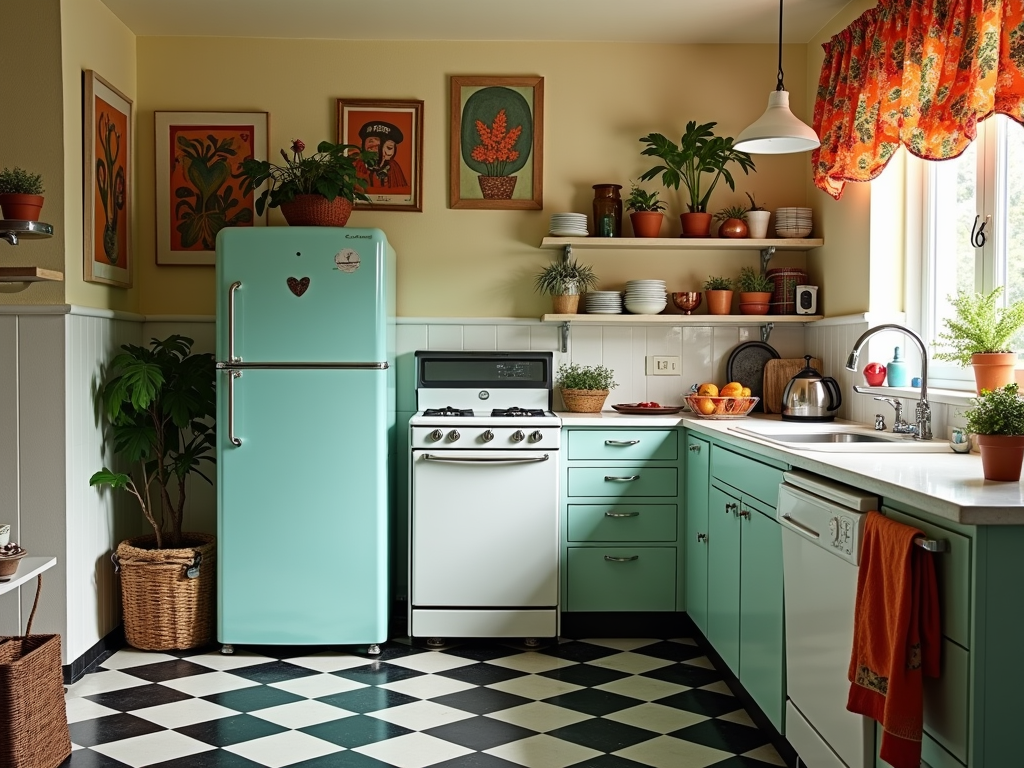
(831, 437)
(839, 438)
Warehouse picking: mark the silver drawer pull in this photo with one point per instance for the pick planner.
(621, 442)
(611, 559)
(800, 526)
(613, 479)
(622, 514)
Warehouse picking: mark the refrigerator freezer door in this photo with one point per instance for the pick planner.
(302, 518)
(301, 295)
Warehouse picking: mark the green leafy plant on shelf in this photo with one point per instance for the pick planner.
(752, 281)
(18, 181)
(575, 376)
(640, 200)
(565, 277)
(753, 204)
(978, 326)
(732, 212)
(997, 412)
(718, 284)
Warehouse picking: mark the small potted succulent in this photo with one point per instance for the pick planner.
(564, 280)
(757, 219)
(755, 292)
(997, 420)
(645, 212)
(21, 194)
(718, 291)
(733, 221)
(584, 387)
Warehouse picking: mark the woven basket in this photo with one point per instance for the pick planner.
(163, 608)
(317, 211)
(584, 400)
(565, 303)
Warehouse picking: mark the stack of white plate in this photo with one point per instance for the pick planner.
(645, 297)
(604, 303)
(569, 224)
(793, 222)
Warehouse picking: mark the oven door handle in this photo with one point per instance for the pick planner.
(483, 460)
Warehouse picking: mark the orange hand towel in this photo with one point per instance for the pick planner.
(896, 636)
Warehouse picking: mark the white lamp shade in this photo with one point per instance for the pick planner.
(777, 131)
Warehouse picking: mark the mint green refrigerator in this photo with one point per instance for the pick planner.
(305, 435)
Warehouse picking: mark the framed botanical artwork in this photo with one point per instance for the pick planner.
(497, 153)
(200, 187)
(393, 131)
(107, 154)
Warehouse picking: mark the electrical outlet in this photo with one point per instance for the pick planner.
(662, 365)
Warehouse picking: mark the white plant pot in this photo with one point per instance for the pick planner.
(757, 223)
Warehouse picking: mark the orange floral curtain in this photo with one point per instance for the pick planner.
(917, 73)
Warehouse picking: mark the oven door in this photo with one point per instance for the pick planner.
(484, 529)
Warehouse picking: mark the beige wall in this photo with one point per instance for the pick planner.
(599, 100)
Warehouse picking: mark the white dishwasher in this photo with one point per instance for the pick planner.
(822, 522)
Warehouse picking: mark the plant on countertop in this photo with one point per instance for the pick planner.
(753, 205)
(978, 326)
(997, 412)
(565, 277)
(752, 281)
(574, 376)
(732, 212)
(718, 284)
(332, 171)
(699, 152)
(640, 200)
(161, 404)
(18, 181)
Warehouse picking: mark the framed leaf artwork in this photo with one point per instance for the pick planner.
(200, 187)
(107, 176)
(496, 154)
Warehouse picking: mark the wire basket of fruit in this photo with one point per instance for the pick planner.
(733, 401)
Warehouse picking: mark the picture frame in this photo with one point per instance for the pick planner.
(107, 179)
(487, 168)
(393, 127)
(199, 184)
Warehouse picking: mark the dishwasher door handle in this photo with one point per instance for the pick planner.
(801, 527)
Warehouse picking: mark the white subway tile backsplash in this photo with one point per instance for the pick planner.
(445, 337)
(479, 337)
(696, 349)
(586, 346)
(617, 343)
(512, 337)
(544, 338)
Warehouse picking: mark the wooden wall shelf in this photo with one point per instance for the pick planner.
(682, 319)
(683, 243)
(29, 275)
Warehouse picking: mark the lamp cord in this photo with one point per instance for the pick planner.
(779, 86)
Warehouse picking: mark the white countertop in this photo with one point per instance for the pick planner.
(946, 484)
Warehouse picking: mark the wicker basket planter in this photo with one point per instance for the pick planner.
(584, 400)
(164, 609)
(317, 211)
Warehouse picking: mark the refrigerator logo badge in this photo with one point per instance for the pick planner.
(347, 260)
(298, 286)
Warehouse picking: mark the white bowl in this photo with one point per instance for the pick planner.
(645, 307)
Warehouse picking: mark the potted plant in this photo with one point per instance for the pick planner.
(311, 191)
(584, 387)
(718, 291)
(564, 280)
(755, 292)
(733, 221)
(979, 334)
(699, 152)
(997, 419)
(646, 212)
(21, 194)
(757, 219)
(161, 404)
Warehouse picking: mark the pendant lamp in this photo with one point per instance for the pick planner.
(777, 131)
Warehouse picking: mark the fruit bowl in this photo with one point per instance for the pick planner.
(721, 407)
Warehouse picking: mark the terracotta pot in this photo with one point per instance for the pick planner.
(497, 187)
(317, 211)
(1001, 456)
(19, 207)
(584, 400)
(733, 228)
(719, 302)
(993, 370)
(646, 223)
(566, 304)
(695, 224)
(757, 223)
(755, 302)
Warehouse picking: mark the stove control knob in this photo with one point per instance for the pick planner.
(487, 436)
(536, 436)
(454, 435)
(518, 436)
(436, 435)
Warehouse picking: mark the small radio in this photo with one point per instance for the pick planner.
(807, 299)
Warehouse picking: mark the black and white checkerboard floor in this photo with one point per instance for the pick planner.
(615, 703)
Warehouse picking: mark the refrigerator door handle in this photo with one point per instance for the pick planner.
(232, 375)
(231, 321)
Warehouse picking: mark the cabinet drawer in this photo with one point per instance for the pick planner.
(946, 700)
(622, 481)
(627, 444)
(622, 522)
(646, 583)
(749, 476)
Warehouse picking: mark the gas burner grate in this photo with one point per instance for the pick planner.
(516, 411)
(448, 411)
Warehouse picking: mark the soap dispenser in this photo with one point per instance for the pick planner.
(896, 371)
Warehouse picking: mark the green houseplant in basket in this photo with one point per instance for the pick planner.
(997, 421)
(584, 387)
(564, 280)
(161, 404)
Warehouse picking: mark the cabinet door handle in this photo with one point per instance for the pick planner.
(695, 448)
(622, 514)
(730, 509)
(702, 538)
(745, 513)
(614, 479)
(621, 442)
(611, 559)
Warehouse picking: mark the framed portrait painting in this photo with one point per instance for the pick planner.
(200, 187)
(107, 154)
(393, 132)
(496, 158)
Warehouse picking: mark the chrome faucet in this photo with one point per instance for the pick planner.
(922, 430)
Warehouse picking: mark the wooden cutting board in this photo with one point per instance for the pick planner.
(777, 374)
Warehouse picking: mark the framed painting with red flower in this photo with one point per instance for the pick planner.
(200, 187)
(393, 132)
(496, 154)
(107, 155)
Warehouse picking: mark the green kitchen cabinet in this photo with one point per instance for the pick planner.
(724, 576)
(695, 539)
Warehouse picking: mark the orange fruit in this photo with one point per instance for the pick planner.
(745, 392)
(705, 405)
(707, 390)
(732, 389)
